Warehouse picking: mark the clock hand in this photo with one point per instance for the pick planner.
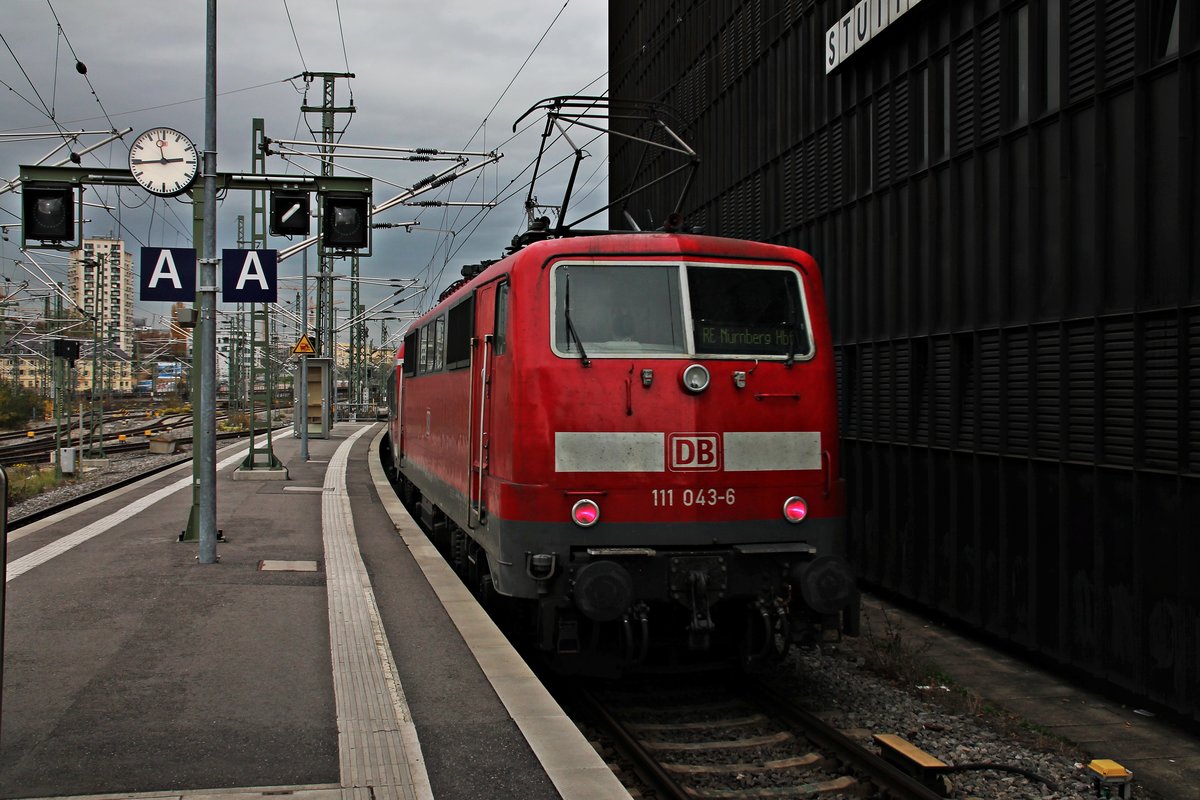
(154, 160)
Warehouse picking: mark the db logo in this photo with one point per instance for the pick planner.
(694, 452)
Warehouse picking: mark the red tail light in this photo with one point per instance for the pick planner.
(795, 509)
(585, 513)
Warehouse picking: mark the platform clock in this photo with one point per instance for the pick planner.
(164, 162)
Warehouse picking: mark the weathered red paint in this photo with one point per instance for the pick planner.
(533, 393)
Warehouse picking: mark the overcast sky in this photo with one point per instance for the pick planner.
(427, 74)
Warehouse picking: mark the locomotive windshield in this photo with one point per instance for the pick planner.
(731, 311)
(618, 310)
(746, 311)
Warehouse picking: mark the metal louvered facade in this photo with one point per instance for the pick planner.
(1003, 197)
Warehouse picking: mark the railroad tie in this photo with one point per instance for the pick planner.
(753, 741)
(807, 760)
(839, 784)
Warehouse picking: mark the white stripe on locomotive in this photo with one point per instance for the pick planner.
(745, 451)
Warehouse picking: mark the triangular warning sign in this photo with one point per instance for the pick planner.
(304, 347)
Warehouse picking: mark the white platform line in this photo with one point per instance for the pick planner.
(377, 740)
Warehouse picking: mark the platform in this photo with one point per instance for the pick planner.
(330, 653)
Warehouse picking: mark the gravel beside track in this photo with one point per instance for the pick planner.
(120, 467)
(839, 687)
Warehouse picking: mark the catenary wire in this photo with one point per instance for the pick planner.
(45, 109)
(294, 36)
(517, 74)
(79, 64)
(342, 33)
(147, 108)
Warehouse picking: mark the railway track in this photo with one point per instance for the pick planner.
(88, 490)
(121, 434)
(33, 442)
(43, 430)
(723, 739)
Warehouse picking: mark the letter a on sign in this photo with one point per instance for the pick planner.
(248, 276)
(168, 273)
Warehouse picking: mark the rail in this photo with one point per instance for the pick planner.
(683, 740)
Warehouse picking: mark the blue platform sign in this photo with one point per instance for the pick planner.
(168, 273)
(249, 276)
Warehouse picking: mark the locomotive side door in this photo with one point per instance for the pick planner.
(488, 300)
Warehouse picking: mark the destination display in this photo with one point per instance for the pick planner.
(744, 339)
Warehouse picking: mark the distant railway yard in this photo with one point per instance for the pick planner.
(128, 444)
(124, 430)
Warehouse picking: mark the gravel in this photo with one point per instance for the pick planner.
(838, 685)
(120, 467)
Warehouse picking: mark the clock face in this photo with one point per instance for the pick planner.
(164, 162)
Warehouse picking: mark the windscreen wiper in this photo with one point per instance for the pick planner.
(584, 360)
(792, 324)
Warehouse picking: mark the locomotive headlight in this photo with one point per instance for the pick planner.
(585, 513)
(795, 509)
(695, 378)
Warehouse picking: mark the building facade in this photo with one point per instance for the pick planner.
(100, 280)
(1002, 194)
(36, 373)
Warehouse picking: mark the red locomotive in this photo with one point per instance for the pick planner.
(632, 436)
(635, 433)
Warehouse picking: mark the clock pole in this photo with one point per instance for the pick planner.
(205, 457)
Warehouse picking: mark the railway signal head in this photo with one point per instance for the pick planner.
(67, 348)
(47, 212)
(290, 213)
(346, 221)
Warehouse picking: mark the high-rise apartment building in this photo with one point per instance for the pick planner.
(100, 280)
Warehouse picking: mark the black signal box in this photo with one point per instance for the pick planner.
(290, 213)
(346, 221)
(47, 212)
(67, 348)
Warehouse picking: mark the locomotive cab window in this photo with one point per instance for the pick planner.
(731, 311)
(617, 310)
(748, 311)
